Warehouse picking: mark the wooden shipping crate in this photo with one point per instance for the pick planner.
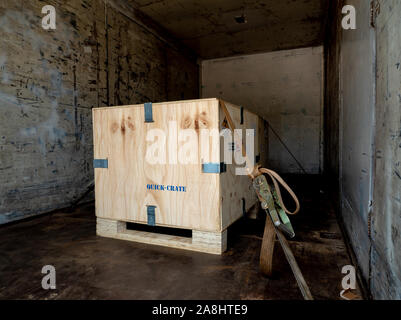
(204, 196)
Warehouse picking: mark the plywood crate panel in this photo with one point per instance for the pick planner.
(183, 195)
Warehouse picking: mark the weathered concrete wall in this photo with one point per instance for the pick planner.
(386, 224)
(50, 80)
(363, 87)
(331, 130)
(286, 88)
(357, 103)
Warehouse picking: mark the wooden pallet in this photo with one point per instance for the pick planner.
(201, 241)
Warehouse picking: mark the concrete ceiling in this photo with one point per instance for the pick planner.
(209, 27)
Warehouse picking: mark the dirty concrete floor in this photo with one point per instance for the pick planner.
(91, 267)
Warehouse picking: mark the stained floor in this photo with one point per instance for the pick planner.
(91, 267)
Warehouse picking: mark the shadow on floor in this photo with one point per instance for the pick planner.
(90, 267)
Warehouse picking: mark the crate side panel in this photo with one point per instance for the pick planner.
(263, 142)
(124, 191)
(101, 151)
(235, 189)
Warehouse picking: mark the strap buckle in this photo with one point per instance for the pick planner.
(270, 203)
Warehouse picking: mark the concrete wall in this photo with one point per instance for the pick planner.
(386, 218)
(50, 80)
(357, 103)
(332, 51)
(363, 83)
(286, 88)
